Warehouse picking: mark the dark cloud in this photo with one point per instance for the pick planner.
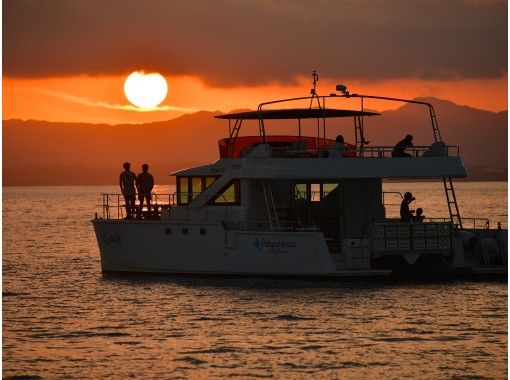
(246, 42)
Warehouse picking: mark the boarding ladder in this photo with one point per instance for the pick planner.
(451, 199)
(233, 133)
(270, 205)
(360, 138)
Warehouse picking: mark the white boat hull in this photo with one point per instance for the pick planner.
(208, 248)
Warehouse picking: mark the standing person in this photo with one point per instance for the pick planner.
(144, 185)
(338, 148)
(127, 187)
(406, 215)
(402, 145)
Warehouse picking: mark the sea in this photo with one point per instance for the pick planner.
(63, 319)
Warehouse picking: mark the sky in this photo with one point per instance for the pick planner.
(68, 60)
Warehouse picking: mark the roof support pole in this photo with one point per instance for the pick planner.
(362, 137)
(262, 129)
(324, 122)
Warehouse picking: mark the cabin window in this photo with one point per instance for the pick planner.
(314, 192)
(301, 191)
(208, 181)
(328, 188)
(229, 195)
(196, 187)
(188, 188)
(182, 190)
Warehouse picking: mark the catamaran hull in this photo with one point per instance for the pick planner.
(208, 248)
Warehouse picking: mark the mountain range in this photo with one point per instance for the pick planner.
(47, 153)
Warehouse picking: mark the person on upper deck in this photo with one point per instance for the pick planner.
(127, 187)
(419, 215)
(401, 146)
(406, 215)
(338, 148)
(144, 185)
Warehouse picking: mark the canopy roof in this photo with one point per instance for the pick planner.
(296, 113)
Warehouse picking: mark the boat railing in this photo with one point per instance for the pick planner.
(114, 206)
(415, 151)
(265, 225)
(385, 195)
(467, 223)
(395, 237)
(365, 152)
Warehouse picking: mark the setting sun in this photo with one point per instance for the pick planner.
(145, 90)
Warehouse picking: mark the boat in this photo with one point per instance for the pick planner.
(282, 205)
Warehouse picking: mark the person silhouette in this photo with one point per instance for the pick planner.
(406, 215)
(338, 148)
(144, 185)
(419, 215)
(127, 187)
(400, 147)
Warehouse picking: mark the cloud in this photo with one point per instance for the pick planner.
(101, 104)
(235, 42)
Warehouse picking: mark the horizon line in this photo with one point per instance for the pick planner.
(219, 111)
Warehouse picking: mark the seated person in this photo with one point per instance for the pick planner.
(401, 146)
(338, 148)
(436, 149)
(419, 215)
(406, 215)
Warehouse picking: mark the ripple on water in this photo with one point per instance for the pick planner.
(293, 317)
(191, 360)
(63, 319)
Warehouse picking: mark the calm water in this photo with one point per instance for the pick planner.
(63, 319)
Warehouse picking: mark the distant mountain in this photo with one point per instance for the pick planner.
(46, 153)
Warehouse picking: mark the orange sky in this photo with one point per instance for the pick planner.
(67, 60)
(101, 99)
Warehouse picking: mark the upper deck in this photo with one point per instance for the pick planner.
(319, 113)
(359, 159)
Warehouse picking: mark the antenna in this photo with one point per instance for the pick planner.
(315, 77)
(313, 91)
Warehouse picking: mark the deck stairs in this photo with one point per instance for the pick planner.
(272, 212)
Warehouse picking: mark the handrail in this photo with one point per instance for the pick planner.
(117, 201)
(432, 113)
(433, 118)
(380, 151)
(391, 192)
(477, 223)
(160, 201)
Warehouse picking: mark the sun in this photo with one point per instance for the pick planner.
(145, 91)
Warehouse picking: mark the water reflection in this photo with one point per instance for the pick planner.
(63, 319)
